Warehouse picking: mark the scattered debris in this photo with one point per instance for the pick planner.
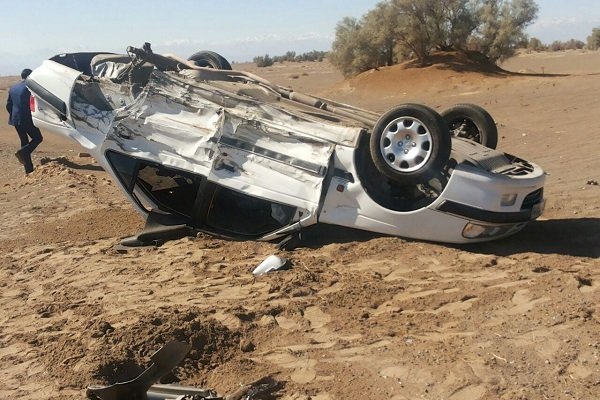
(583, 281)
(499, 358)
(271, 263)
(250, 390)
(541, 269)
(163, 362)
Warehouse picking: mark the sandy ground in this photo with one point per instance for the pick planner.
(358, 316)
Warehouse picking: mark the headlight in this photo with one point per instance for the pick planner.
(478, 231)
(472, 231)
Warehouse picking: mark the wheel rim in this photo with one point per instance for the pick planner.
(406, 144)
(465, 128)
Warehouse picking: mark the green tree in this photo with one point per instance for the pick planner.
(379, 24)
(573, 44)
(501, 26)
(413, 32)
(593, 41)
(556, 45)
(535, 44)
(289, 56)
(447, 23)
(351, 51)
(265, 61)
(398, 29)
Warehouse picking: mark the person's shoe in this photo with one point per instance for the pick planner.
(20, 157)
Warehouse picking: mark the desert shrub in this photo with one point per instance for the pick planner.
(557, 45)
(502, 25)
(573, 44)
(265, 61)
(375, 25)
(535, 44)
(424, 25)
(351, 51)
(398, 29)
(290, 56)
(593, 41)
(313, 55)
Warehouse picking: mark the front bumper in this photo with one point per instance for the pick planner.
(477, 197)
(527, 213)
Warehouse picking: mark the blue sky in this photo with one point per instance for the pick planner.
(33, 30)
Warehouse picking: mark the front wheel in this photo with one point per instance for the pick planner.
(472, 122)
(410, 144)
(210, 59)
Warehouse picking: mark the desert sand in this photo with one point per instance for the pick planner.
(358, 315)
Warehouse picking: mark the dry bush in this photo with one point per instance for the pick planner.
(399, 29)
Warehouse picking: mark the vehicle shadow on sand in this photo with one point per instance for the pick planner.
(64, 161)
(319, 235)
(572, 237)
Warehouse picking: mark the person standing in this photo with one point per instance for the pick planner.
(17, 106)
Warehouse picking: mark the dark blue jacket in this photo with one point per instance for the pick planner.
(18, 105)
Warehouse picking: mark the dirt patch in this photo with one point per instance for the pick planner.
(105, 354)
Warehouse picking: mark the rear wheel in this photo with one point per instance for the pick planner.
(472, 122)
(410, 144)
(210, 59)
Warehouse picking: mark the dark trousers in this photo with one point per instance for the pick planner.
(26, 132)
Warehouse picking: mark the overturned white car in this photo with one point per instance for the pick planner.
(194, 144)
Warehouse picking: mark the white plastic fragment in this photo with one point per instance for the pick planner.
(271, 263)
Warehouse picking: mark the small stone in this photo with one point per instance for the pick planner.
(102, 329)
(246, 345)
(83, 155)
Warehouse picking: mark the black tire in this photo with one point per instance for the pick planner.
(472, 122)
(410, 144)
(210, 59)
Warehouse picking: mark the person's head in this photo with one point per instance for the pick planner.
(25, 73)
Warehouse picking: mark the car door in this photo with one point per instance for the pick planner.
(263, 160)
